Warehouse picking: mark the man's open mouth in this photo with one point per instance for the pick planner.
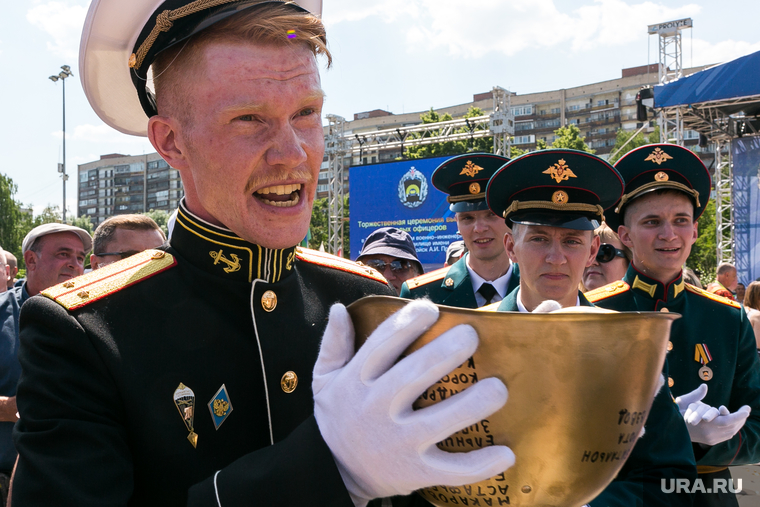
(282, 196)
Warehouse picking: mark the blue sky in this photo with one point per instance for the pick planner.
(399, 55)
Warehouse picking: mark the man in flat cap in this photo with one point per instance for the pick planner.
(391, 252)
(193, 374)
(485, 274)
(53, 253)
(554, 199)
(714, 367)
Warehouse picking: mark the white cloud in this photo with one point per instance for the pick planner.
(510, 26)
(99, 134)
(61, 21)
(706, 53)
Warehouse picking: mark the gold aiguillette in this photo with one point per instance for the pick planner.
(184, 400)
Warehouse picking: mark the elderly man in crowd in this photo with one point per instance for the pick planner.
(12, 263)
(218, 369)
(726, 281)
(53, 253)
(5, 272)
(122, 236)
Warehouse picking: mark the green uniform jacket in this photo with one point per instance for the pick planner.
(450, 286)
(663, 453)
(724, 327)
(99, 426)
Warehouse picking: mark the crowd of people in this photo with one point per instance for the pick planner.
(105, 375)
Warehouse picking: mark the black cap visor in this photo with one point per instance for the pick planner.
(577, 221)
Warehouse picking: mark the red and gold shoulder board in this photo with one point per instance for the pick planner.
(427, 278)
(710, 295)
(85, 289)
(332, 261)
(606, 291)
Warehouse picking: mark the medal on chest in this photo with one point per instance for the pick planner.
(184, 400)
(702, 356)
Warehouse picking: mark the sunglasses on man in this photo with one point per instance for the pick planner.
(396, 266)
(608, 252)
(122, 255)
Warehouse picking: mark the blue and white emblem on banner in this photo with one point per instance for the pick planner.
(220, 406)
(412, 188)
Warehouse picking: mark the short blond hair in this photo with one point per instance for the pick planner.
(267, 25)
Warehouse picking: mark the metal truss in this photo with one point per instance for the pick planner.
(724, 229)
(741, 233)
(671, 68)
(500, 124)
(337, 146)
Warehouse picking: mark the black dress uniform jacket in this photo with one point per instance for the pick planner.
(663, 453)
(99, 426)
(721, 325)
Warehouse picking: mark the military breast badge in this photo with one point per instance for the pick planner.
(184, 400)
(220, 406)
(702, 356)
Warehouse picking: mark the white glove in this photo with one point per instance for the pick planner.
(709, 425)
(363, 406)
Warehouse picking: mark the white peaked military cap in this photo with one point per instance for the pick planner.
(113, 43)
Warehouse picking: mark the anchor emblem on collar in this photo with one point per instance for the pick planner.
(232, 265)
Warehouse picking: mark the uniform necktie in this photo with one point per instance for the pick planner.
(487, 291)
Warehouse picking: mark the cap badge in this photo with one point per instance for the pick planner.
(471, 169)
(661, 176)
(559, 197)
(560, 172)
(658, 157)
(474, 187)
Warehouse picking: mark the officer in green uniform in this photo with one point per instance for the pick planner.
(220, 369)
(553, 200)
(713, 363)
(484, 274)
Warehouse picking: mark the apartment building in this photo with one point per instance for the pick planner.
(598, 109)
(118, 184)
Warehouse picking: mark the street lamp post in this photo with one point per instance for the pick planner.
(65, 72)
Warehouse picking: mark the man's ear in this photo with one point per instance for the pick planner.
(509, 246)
(625, 236)
(595, 244)
(95, 261)
(30, 259)
(695, 234)
(166, 136)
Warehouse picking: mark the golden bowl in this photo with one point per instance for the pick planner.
(581, 383)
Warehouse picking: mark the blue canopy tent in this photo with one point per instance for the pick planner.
(708, 99)
(723, 104)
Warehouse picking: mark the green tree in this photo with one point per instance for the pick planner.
(448, 148)
(703, 258)
(318, 228)
(161, 217)
(10, 217)
(640, 140)
(82, 222)
(569, 137)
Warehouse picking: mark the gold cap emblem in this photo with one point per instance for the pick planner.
(559, 197)
(471, 169)
(658, 157)
(560, 172)
(269, 300)
(474, 188)
(661, 176)
(289, 382)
